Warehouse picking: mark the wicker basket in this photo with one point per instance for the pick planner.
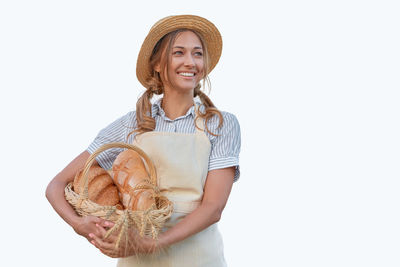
(148, 223)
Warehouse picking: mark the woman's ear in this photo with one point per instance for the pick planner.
(157, 67)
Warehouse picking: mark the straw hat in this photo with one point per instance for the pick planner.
(169, 24)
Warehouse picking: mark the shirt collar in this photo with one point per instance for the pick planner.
(157, 110)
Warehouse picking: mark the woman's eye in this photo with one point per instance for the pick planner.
(199, 54)
(178, 53)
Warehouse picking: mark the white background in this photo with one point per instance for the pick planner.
(314, 84)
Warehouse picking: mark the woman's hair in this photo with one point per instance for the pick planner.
(154, 86)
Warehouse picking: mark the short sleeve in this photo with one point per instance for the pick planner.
(117, 131)
(225, 147)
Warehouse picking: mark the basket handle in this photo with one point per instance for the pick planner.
(90, 160)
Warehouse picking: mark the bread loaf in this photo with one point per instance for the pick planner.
(129, 171)
(101, 187)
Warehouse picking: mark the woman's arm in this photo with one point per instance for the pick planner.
(216, 192)
(56, 197)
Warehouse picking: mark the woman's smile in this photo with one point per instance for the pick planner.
(187, 74)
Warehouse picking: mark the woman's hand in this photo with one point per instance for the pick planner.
(132, 245)
(86, 225)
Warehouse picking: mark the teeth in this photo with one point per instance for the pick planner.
(187, 74)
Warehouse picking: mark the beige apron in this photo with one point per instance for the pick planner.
(181, 161)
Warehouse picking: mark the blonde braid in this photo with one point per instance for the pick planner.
(210, 110)
(145, 122)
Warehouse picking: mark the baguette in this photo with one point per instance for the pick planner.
(128, 172)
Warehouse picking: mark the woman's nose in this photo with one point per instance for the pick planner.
(189, 61)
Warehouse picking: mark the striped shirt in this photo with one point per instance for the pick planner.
(225, 147)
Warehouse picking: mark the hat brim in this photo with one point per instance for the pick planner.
(205, 28)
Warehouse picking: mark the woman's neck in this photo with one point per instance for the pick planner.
(176, 105)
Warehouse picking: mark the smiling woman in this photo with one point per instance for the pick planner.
(194, 148)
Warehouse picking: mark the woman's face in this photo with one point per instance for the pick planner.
(185, 64)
